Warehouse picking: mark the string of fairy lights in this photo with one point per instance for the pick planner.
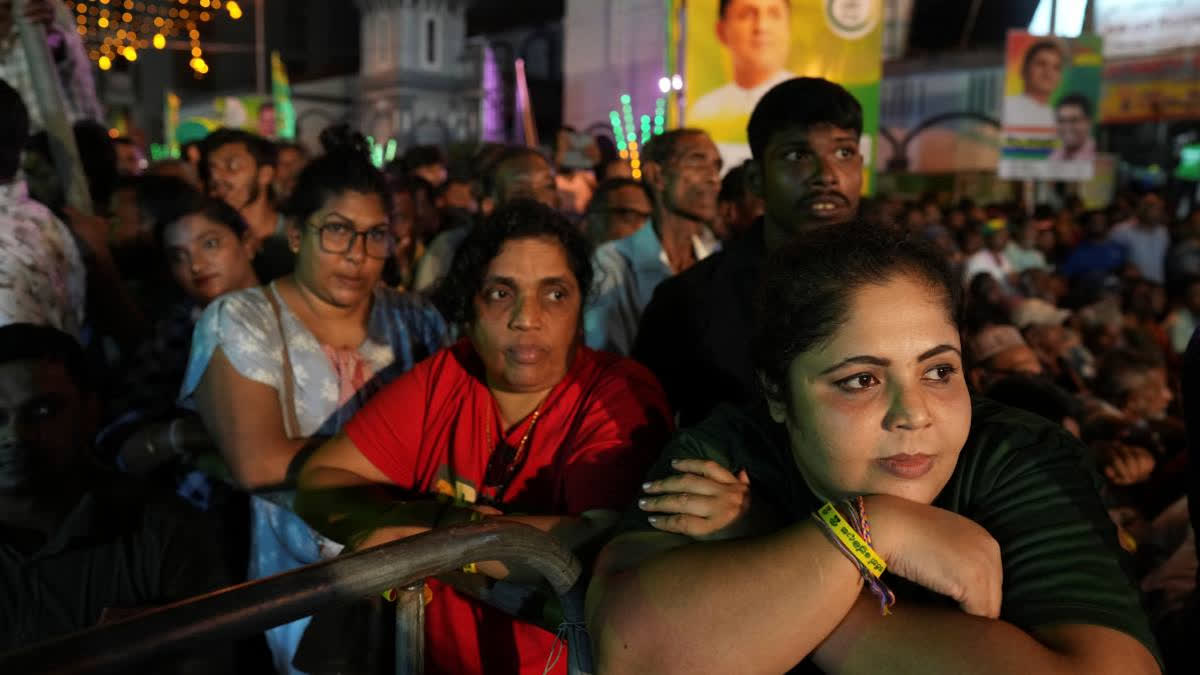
(113, 29)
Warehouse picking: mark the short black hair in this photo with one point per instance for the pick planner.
(422, 155)
(345, 167)
(721, 9)
(1039, 46)
(803, 102)
(600, 196)
(519, 219)
(29, 342)
(662, 148)
(213, 210)
(1084, 103)
(260, 148)
(14, 130)
(807, 287)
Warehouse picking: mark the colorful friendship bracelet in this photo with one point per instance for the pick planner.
(851, 534)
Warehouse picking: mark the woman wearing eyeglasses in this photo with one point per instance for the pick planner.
(278, 368)
(519, 420)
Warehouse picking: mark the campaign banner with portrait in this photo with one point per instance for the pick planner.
(736, 50)
(1051, 93)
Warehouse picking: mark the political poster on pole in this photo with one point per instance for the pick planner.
(737, 50)
(1051, 93)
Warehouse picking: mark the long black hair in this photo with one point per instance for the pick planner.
(518, 219)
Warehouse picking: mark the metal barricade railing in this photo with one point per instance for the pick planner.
(255, 606)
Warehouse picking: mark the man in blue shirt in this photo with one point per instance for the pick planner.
(1096, 256)
(683, 170)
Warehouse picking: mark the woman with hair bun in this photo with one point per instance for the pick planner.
(277, 368)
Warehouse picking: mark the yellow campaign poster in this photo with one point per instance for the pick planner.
(736, 50)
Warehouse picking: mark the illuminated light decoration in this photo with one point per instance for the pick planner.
(196, 51)
(645, 128)
(627, 120)
(234, 9)
(660, 110)
(390, 152)
(104, 62)
(139, 23)
(615, 118)
(130, 54)
(664, 84)
(635, 160)
(677, 82)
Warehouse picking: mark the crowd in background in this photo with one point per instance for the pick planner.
(216, 320)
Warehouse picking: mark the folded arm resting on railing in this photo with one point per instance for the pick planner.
(255, 606)
(350, 500)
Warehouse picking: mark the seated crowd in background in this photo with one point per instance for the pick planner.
(259, 356)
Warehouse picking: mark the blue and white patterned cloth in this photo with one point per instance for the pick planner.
(401, 331)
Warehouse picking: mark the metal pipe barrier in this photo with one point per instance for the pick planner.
(255, 606)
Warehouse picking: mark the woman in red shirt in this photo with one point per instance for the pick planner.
(517, 418)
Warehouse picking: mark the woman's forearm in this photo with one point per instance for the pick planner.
(749, 605)
(947, 640)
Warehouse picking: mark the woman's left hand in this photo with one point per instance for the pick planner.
(704, 501)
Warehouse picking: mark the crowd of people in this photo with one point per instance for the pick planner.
(260, 356)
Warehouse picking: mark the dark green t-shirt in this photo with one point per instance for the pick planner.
(1019, 476)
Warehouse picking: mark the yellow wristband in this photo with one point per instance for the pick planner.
(471, 568)
(829, 516)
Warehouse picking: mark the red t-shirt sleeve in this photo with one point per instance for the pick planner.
(627, 424)
(387, 430)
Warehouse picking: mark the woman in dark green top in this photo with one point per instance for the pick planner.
(722, 570)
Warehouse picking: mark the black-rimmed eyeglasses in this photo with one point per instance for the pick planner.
(340, 238)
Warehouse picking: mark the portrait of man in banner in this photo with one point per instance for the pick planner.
(757, 36)
(737, 50)
(1041, 73)
(1073, 117)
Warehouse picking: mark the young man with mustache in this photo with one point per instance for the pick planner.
(807, 167)
(238, 167)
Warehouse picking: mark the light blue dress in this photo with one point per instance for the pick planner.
(401, 330)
